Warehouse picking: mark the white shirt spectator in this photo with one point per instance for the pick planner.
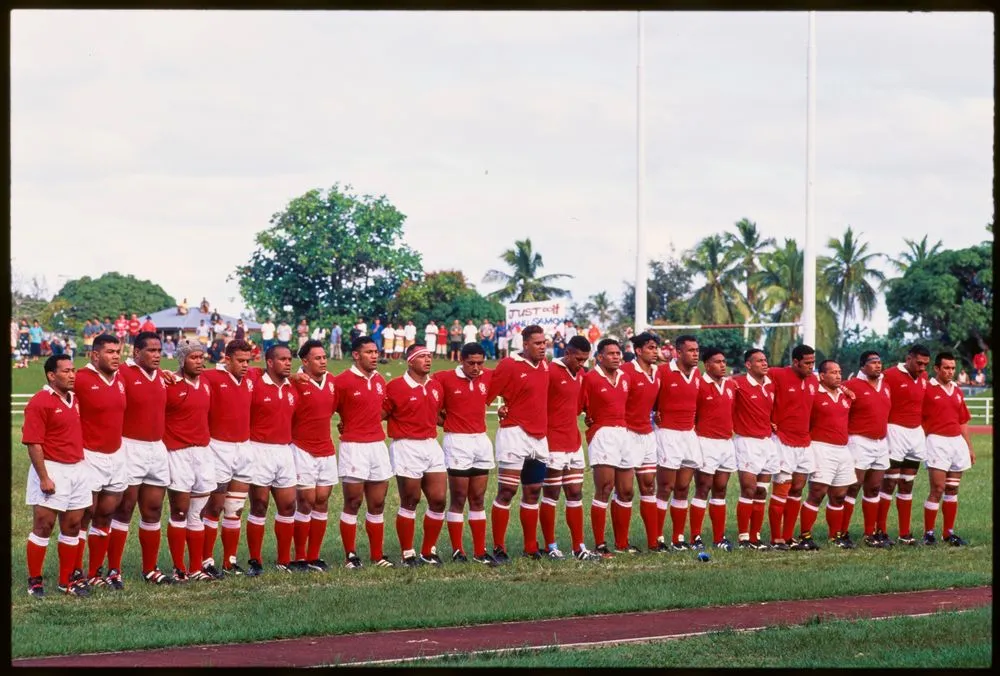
(284, 332)
(568, 332)
(267, 330)
(203, 330)
(319, 333)
(388, 336)
(486, 330)
(410, 331)
(362, 328)
(516, 341)
(430, 333)
(469, 332)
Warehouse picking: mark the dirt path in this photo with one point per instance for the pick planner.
(414, 644)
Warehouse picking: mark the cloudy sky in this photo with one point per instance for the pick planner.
(159, 143)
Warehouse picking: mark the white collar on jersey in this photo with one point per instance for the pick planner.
(949, 389)
(356, 371)
(101, 375)
(651, 377)
(266, 377)
(600, 372)
(902, 367)
(835, 395)
(754, 383)
(676, 369)
(150, 378)
(517, 357)
(878, 383)
(408, 379)
(48, 388)
(720, 386)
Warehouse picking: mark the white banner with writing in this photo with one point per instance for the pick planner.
(547, 313)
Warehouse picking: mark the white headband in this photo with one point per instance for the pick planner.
(417, 353)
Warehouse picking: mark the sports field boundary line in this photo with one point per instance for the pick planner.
(407, 645)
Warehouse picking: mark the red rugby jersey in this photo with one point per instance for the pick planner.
(524, 389)
(677, 400)
(828, 421)
(870, 409)
(603, 399)
(464, 400)
(752, 407)
(102, 409)
(793, 397)
(413, 408)
(271, 409)
(642, 392)
(359, 403)
(714, 417)
(907, 394)
(944, 412)
(229, 415)
(145, 402)
(187, 409)
(563, 415)
(54, 423)
(313, 412)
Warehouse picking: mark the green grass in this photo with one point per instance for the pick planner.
(943, 640)
(343, 601)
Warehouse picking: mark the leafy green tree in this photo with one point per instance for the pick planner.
(946, 300)
(329, 254)
(857, 340)
(523, 284)
(780, 280)
(668, 285)
(916, 252)
(719, 300)
(746, 245)
(601, 308)
(107, 296)
(849, 274)
(730, 341)
(442, 296)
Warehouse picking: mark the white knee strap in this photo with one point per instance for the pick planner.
(233, 505)
(194, 511)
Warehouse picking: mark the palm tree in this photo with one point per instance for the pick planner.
(847, 273)
(780, 281)
(522, 284)
(916, 253)
(601, 307)
(719, 301)
(746, 245)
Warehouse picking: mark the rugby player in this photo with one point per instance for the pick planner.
(756, 455)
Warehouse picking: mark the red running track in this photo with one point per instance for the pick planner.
(414, 644)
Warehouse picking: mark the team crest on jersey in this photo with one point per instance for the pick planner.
(625, 386)
(250, 386)
(729, 393)
(291, 399)
(812, 390)
(121, 388)
(434, 393)
(378, 387)
(482, 389)
(845, 403)
(330, 387)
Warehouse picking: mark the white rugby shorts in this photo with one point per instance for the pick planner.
(756, 456)
(906, 443)
(467, 451)
(718, 455)
(192, 470)
(514, 446)
(795, 459)
(232, 460)
(108, 471)
(950, 454)
(834, 465)
(562, 461)
(412, 458)
(271, 465)
(640, 449)
(73, 487)
(146, 462)
(676, 449)
(363, 461)
(311, 471)
(610, 447)
(869, 453)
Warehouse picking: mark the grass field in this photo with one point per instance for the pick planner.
(942, 640)
(284, 606)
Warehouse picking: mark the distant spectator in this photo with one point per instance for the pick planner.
(376, 334)
(319, 333)
(284, 334)
(454, 340)
(203, 332)
(204, 306)
(486, 339)
(397, 345)
(361, 327)
(593, 334)
(963, 377)
(441, 347)
(182, 307)
(569, 330)
(71, 347)
(13, 338)
(502, 339)
(121, 329)
(37, 336)
(431, 335)
(241, 331)
(89, 332)
(217, 349)
(133, 328)
(148, 325)
(267, 334)
(667, 352)
(410, 334)
(108, 326)
(469, 332)
(336, 342)
(388, 339)
(218, 328)
(302, 332)
(629, 353)
(558, 345)
(516, 339)
(355, 333)
(215, 318)
(169, 347)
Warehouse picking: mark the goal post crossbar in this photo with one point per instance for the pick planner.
(698, 327)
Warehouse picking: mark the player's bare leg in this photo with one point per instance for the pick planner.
(99, 536)
(665, 480)
(232, 513)
(904, 499)
(810, 511)
(70, 578)
(942, 496)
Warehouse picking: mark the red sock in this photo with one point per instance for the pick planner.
(949, 511)
(791, 515)
(647, 512)
(456, 522)
(284, 533)
(930, 515)
(678, 515)
(696, 513)
(349, 532)
(529, 526)
(149, 544)
(661, 517)
(301, 534)
(809, 514)
(81, 548)
(98, 549)
(547, 520)
(849, 512)
(67, 558)
(717, 513)
(230, 539)
(776, 509)
(116, 544)
(499, 517)
(255, 536)
(195, 545)
(433, 522)
(211, 533)
(869, 512)
(477, 524)
(574, 520)
(904, 508)
(36, 553)
(882, 518)
(176, 540)
(375, 529)
(317, 531)
(757, 519)
(406, 523)
(598, 519)
(621, 519)
(834, 520)
(744, 510)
